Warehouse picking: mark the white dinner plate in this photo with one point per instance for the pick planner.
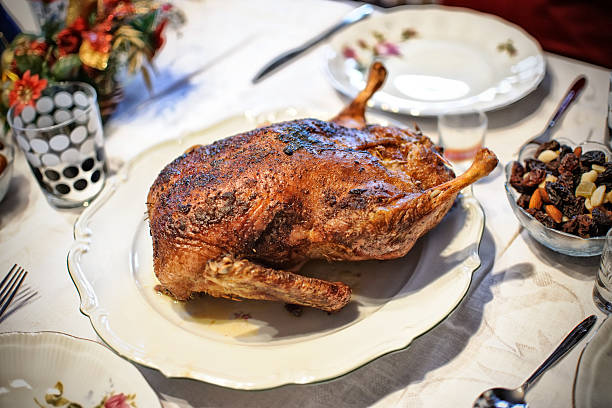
(594, 373)
(257, 344)
(54, 369)
(439, 59)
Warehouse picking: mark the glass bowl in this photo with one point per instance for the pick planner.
(558, 241)
(5, 177)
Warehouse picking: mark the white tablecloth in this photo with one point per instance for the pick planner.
(521, 303)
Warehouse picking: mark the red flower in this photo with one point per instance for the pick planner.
(38, 47)
(386, 49)
(26, 91)
(349, 52)
(69, 39)
(100, 40)
(117, 401)
(158, 38)
(79, 24)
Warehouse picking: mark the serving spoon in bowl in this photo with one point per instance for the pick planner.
(515, 398)
(570, 96)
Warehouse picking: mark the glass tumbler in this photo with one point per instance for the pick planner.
(462, 135)
(63, 142)
(602, 292)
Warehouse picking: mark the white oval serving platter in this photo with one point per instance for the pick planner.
(256, 344)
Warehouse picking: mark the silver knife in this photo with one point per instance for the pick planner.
(354, 16)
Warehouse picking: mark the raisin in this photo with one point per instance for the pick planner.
(534, 178)
(585, 225)
(516, 177)
(593, 157)
(567, 180)
(545, 219)
(552, 167)
(605, 178)
(523, 201)
(602, 219)
(574, 207)
(532, 211)
(569, 163)
(550, 145)
(531, 164)
(571, 226)
(565, 149)
(558, 193)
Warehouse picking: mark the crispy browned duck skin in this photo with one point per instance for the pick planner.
(234, 218)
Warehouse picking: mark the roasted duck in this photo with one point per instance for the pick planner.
(238, 217)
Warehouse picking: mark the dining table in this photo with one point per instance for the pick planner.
(521, 302)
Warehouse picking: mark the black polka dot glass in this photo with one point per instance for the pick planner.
(62, 138)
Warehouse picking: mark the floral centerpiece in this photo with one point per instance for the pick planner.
(99, 42)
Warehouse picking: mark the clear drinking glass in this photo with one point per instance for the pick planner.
(63, 142)
(602, 292)
(462, 135)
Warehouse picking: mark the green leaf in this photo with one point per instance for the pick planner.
(66, 68)
(55, 398)
(91, 19)
(50, 28)
(31, 62)
(144, 22)
(45, 71)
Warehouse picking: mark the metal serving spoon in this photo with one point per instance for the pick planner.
(570, 96)
(507, 398)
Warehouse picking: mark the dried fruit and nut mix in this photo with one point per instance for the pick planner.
(566, 189)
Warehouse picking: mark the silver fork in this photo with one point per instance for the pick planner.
(10, 285)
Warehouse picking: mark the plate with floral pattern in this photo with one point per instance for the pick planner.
(439, 59)
(49, 369)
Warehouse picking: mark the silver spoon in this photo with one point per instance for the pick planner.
(570, 96)
(507, 398)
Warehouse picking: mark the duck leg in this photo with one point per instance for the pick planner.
(353, 116)
(484, 163)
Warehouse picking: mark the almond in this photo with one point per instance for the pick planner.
(536, 200)
(544, 195)
(554, 213)
(598, 196)
(578, 151)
